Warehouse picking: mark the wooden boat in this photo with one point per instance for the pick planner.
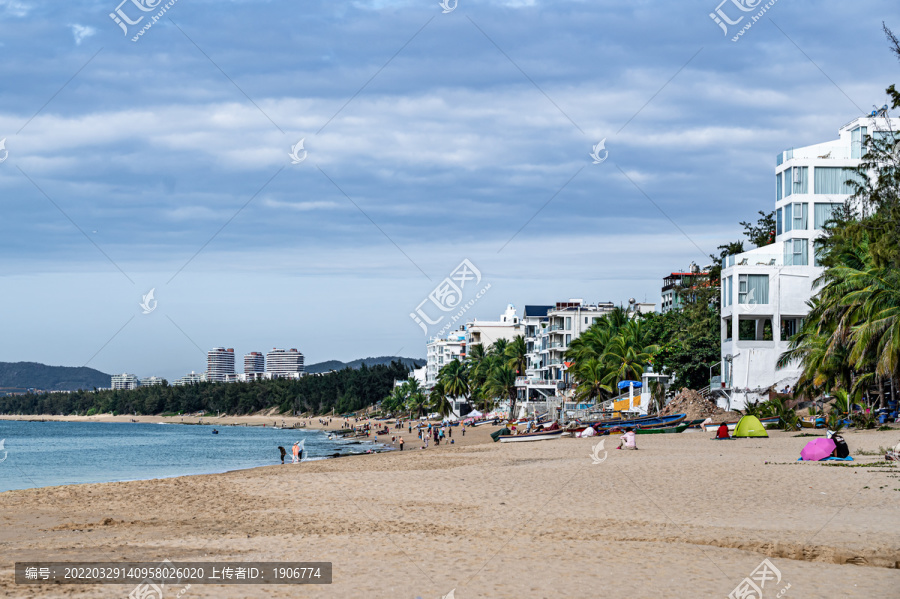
(678, 428)
(812, 421)
(538, 436)
(712, 428)
(481, 422)
(642, 421)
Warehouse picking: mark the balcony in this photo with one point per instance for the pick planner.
(522, 381)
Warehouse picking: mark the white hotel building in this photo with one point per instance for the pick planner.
(285, 363)
(765, 290)
(443, 351)
(219, 364)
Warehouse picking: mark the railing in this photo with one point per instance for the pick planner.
(756, 260)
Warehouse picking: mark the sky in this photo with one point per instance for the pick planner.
(564, 149)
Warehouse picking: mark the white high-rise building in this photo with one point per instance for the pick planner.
(285, 362)
(150, 381)
(219, 364)
(254, 362)
(125, 381)
(765, 290)
(441, 352)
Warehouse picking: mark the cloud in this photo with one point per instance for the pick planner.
(81, 32)
(14, 8)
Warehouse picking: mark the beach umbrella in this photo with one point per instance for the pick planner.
(817, 449)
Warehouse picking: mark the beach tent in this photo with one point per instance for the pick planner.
(750, 426)
(474, 414)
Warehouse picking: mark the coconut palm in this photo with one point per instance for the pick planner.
(501, 382)
(440, 403)
(590, 376)
(454, 379)
(517, 354)
(416, 401)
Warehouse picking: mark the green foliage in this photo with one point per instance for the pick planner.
(345, 391)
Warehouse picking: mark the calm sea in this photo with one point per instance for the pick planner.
(43, 454)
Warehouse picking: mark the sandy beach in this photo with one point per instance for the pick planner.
(682, 517)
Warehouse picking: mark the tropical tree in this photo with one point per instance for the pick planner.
(454, 379)
(590, 376)
(440, 403)
(501, 382)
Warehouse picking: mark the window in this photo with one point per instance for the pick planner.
(778, 222)
(727, 331)
(778, 190)
(795, 252)
(800, 179)
(858, 142)
(788, 187)
(788, 217)
(800, 220)
(753, 289)
(831, 180)
(818, 252)
(585, 319)
(789, 327)
(568, 340)
(568, 323)
(730, 286)
(823, 214)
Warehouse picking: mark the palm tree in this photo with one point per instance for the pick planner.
(502, 382)
(454, 378)
(517, 354)
(439, 401)
(416, 400)
(590, 376)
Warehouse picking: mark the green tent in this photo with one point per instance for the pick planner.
(750, 426)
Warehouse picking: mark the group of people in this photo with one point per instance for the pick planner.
(296, 453)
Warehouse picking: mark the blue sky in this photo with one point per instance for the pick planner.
(431, 138)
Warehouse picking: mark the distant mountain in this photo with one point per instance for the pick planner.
(31, 375)
(338, 365)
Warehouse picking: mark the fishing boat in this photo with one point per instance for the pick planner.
(812, 421)
(635, 422)
(538, 436)
(678, 428)
(481, 422)
(714, 427)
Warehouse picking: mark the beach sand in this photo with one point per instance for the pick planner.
(682, 517)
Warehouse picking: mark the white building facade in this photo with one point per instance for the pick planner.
(286, 363)
(125, 381)
(765, 290)
(219, 364)
(443, 351)
(254, 362)
(488, 332)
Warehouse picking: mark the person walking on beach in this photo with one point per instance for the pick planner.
(401, 443)
(464, 430)
(450, 431)
(296, 452)
(283, 453)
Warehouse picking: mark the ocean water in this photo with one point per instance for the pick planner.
(43, 454)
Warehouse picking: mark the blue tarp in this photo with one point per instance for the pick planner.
(626, 384)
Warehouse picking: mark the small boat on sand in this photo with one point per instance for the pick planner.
(538, 436)
(678, 428)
